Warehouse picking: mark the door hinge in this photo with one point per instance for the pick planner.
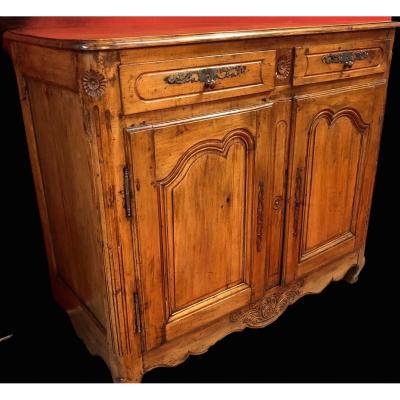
(25, 89)
(297, 200)
(137, 313)
(127, 192)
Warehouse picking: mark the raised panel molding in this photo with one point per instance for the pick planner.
(332, 118)
(220, 147)
(167, 195)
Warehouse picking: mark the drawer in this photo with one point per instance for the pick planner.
(163, 84)
(340, 61)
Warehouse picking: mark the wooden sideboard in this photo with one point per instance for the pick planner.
(196, 176)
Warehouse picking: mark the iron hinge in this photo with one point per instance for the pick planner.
(127, 193)
(25, 89)
(137, 313)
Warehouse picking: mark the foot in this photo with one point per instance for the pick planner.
(352, 274)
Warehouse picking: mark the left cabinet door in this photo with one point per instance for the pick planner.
(201, 198)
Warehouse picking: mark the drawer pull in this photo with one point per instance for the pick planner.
(346, 58)
(208, 76)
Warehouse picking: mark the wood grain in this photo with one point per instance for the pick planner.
(331, 141)
(310, 66)
(199, 341)
(145, 87)
(246, 192)
(200, 259)
(70, 192)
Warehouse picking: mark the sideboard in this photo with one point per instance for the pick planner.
(196, 176)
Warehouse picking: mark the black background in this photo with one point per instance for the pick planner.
(348, 333)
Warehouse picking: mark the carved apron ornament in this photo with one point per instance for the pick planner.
(94, 83)
(269, 307)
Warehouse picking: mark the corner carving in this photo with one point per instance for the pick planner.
(269, 307)
(94, 83)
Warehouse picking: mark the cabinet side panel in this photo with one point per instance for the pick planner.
(70, 191)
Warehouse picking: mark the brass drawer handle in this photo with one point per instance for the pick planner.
(346, 58)
(208, 76)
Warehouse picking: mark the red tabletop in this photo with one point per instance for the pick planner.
(93, 28)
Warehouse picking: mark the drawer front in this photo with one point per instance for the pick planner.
(163, 84)
(340, 61)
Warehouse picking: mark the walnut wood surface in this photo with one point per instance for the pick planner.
(145, 87)
(332, 144)
(311, 67)
(176, 209)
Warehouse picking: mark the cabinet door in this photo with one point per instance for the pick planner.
(335, 144)
(203, 193)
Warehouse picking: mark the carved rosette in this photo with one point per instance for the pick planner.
(283, 67)
(269, 307)
(94, 83)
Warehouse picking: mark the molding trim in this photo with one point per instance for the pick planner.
(211, 146)
(332, 117)
(120, 333)
(154, 41)
(203, 117)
